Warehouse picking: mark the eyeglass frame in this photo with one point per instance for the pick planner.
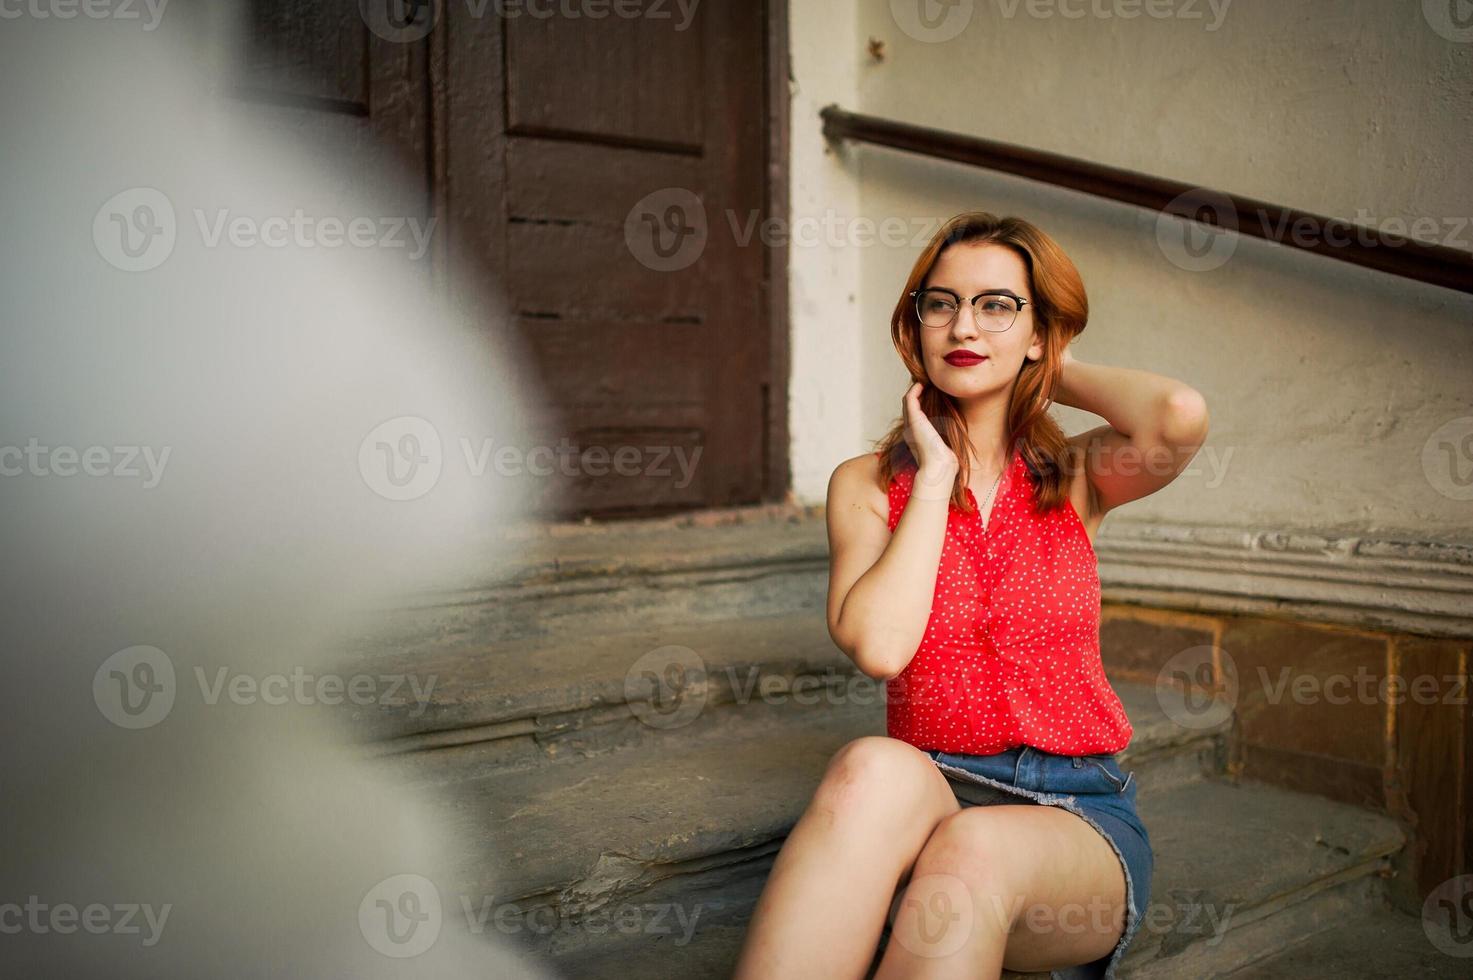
(915, 295)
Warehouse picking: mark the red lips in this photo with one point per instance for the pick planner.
(963, 358)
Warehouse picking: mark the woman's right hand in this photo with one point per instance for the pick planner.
(937, 464)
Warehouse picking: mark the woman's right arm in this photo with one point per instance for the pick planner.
(881, 585)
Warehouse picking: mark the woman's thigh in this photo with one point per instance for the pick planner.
(1046, 873)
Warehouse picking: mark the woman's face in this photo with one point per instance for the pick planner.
(968, 269)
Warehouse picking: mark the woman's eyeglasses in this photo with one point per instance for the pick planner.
(993, 310)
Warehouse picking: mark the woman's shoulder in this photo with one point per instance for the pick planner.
(857, 480)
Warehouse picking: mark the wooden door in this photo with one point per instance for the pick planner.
(610, 174)
(620, 162)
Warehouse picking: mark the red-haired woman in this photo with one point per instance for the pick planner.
(963, 574)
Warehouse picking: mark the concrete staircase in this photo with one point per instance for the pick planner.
(627, 722)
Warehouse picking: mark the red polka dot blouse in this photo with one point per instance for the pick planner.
(1011, 653)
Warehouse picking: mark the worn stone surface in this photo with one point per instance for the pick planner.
(527, 679)
(1211, 909)
(1375, 945)
(667, 821)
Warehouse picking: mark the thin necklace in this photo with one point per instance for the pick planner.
(989, 493)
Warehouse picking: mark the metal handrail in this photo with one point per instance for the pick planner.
(1362, 246)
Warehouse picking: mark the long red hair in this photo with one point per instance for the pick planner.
(1060, 311)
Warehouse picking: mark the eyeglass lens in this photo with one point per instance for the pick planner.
(935, 308)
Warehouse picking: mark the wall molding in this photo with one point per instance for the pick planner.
(1423, 587)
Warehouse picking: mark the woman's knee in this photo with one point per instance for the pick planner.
(969, 847)
(875, 774)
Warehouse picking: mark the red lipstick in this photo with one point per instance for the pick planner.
(963, 358)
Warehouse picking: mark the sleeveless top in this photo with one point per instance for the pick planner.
(1011, 652)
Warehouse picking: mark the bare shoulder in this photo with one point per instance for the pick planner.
(855, 484)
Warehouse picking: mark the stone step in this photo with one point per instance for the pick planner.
(1212, 911)
(526, 702)
(571, 580)
(1376, 943)
(526, 693)
(697, 810)
(1244, 867)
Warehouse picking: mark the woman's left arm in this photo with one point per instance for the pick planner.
(1155, 426)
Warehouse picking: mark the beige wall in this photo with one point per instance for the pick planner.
(1326, 382)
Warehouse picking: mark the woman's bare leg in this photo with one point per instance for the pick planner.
(1032, 888)
(824, 905)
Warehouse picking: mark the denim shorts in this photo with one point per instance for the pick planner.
(1092, 786)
